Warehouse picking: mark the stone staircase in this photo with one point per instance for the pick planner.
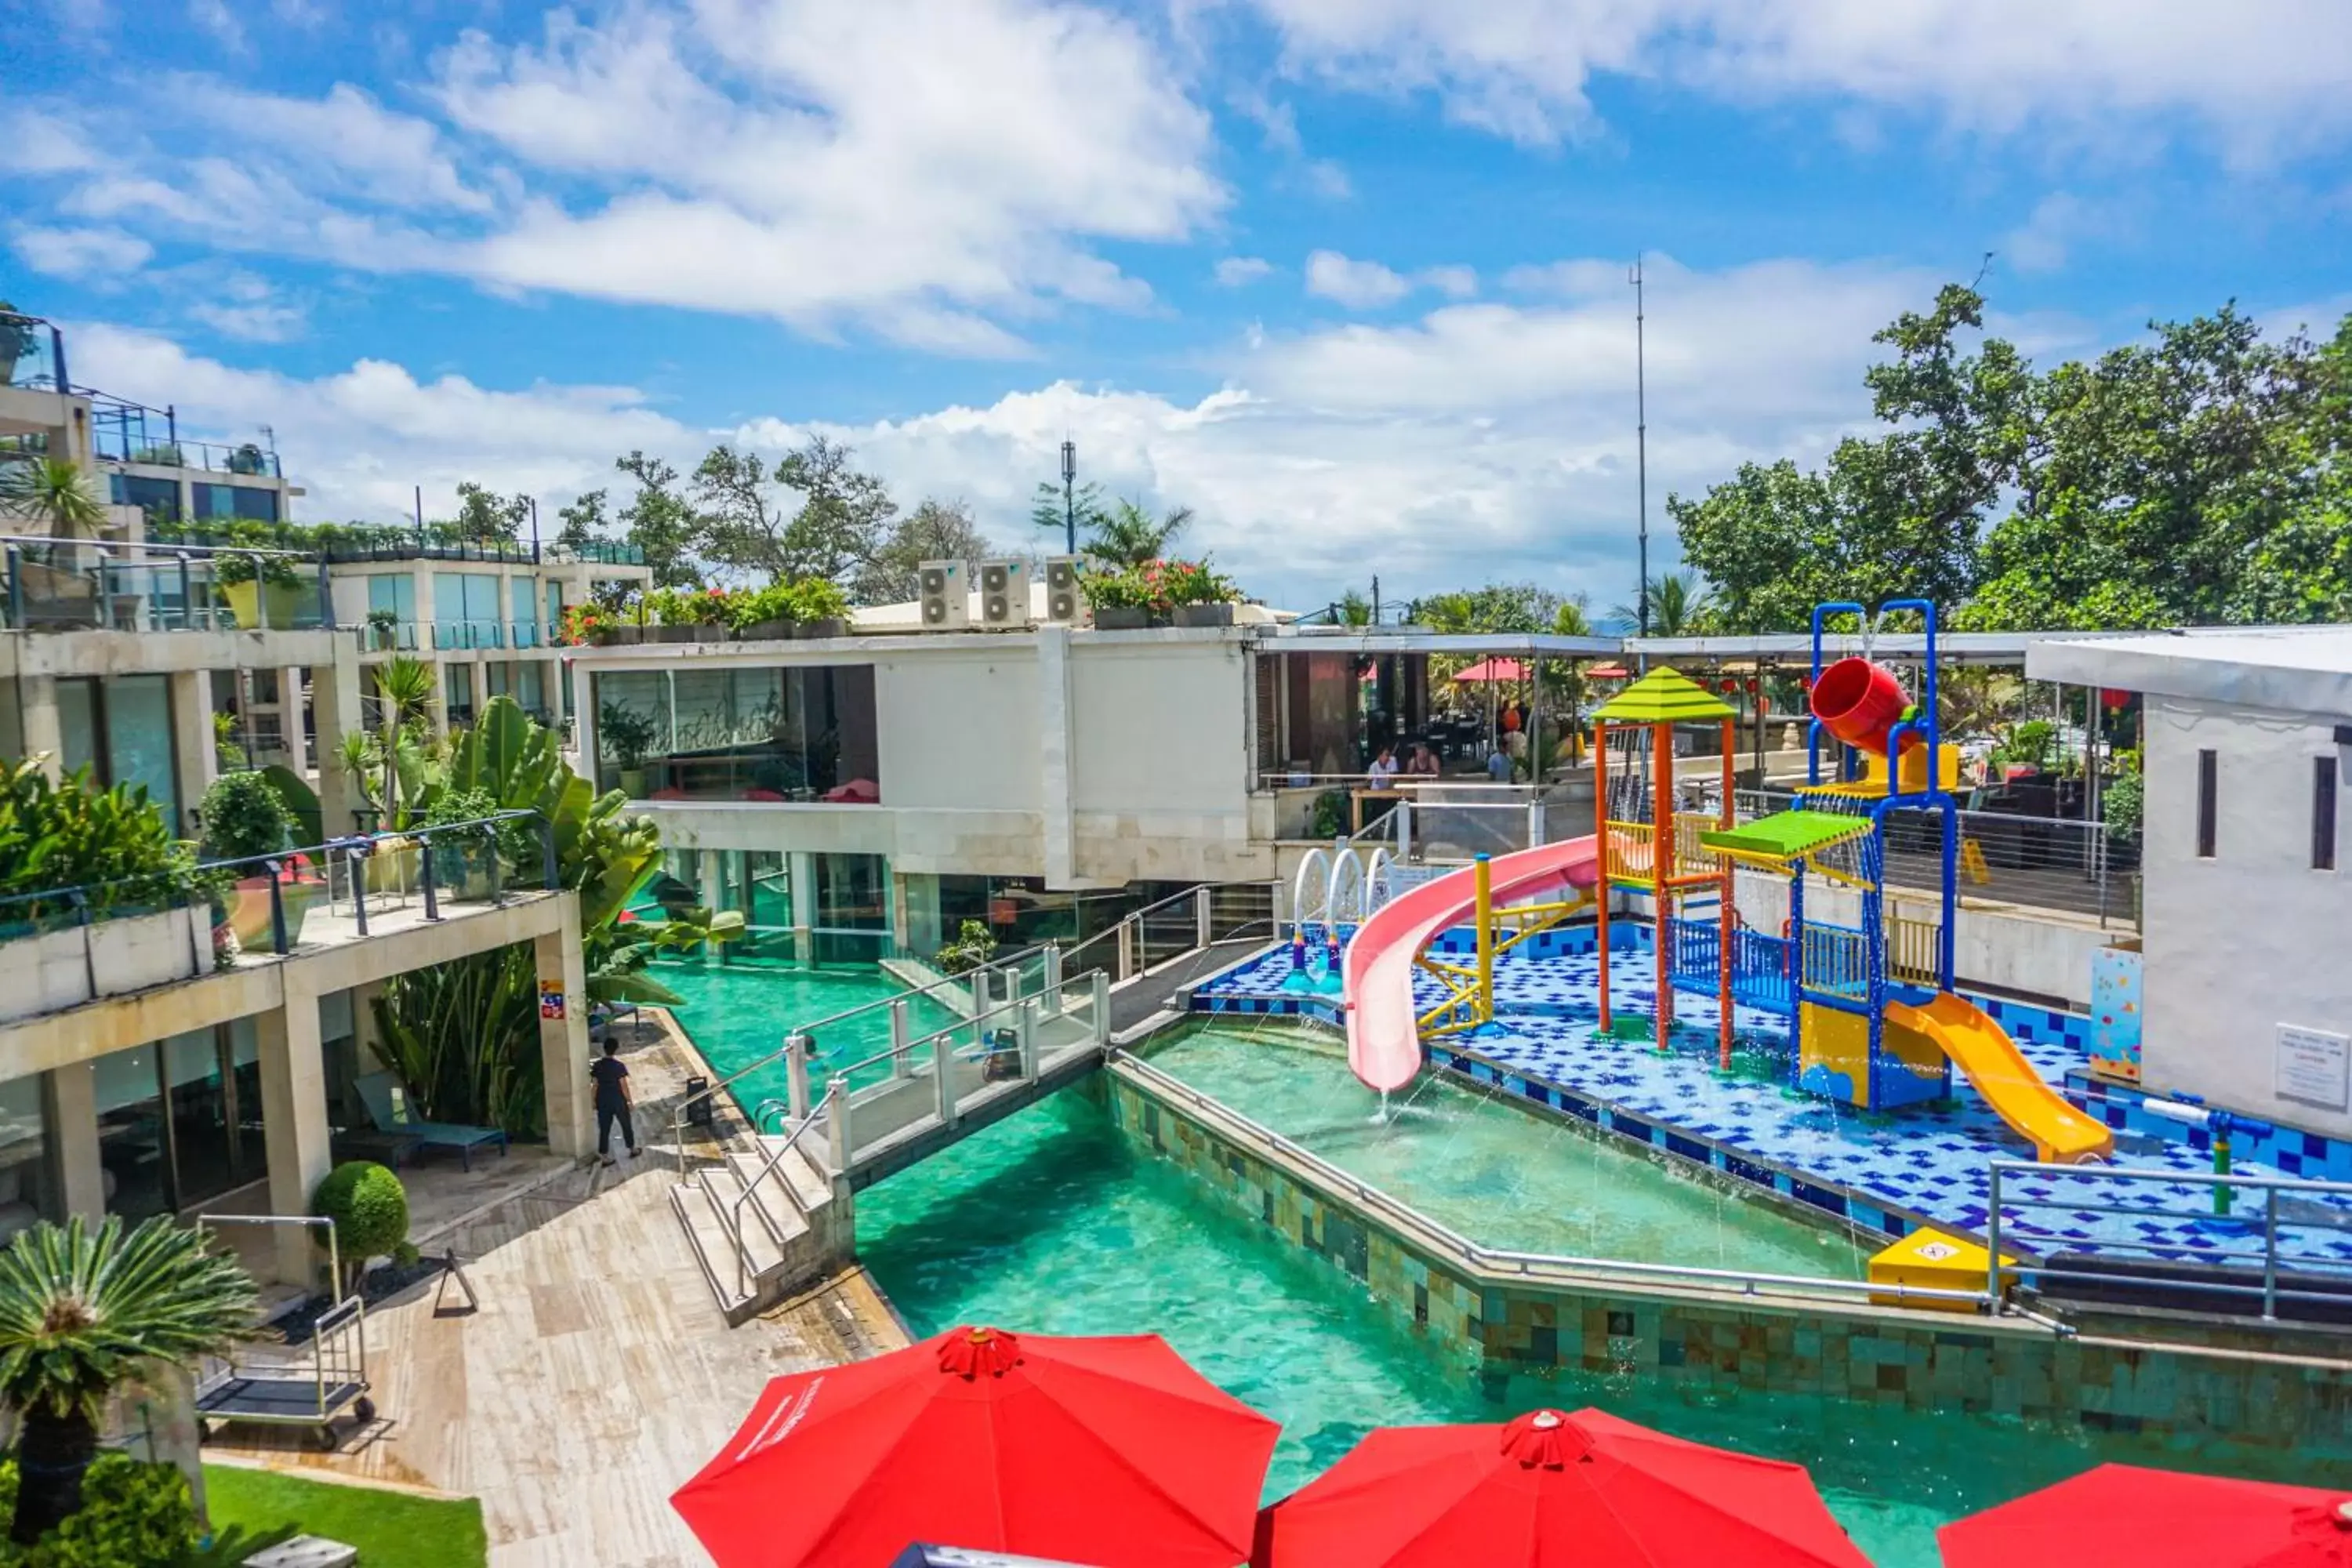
(781, 1208)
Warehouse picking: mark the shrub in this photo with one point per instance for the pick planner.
(370, 1211)
(243, 817)
(1192, 582)
(132, 1515)
(799, 601)
(113, 842)
(690, 606)
(972, 947)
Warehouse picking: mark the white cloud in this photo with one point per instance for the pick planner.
(1236, 271)
(246, 307)
(214, 17)
(82, 252)
(2261, 77)
(1453, 282)
(1481, 440)
(1358, 285)
(2059, 222)
(344, 146)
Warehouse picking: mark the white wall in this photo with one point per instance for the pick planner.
(958, 727)
(2255, 937)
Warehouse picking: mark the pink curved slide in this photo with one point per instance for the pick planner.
(1383, 1033)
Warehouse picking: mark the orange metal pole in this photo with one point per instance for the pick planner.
(1600, 830)
(1727, 819)
(1662, 861)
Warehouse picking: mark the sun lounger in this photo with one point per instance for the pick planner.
(386, 1108)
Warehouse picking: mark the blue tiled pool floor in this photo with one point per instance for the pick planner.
(1922, 1163)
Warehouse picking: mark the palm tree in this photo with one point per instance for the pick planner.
(405, 690)
(81, 1312)
(53, 494)
(1352, 610)
(1128, 535)
(1676, 601)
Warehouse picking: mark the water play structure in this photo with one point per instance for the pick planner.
(1873, 1016)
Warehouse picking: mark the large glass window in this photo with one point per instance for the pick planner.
(236, 500)
(799, 734)
(28, 1188)
(138, 739)
(530, 687)
(466, 609)
(160, 497)
(458, 692)
(180, 1123)
(395, 592)
(80, 743)
(853, 909)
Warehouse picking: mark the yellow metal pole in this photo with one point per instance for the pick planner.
(1482, 878)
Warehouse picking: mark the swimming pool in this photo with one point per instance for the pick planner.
(1495, 1173)
(738, 1012)
(1050, 1221)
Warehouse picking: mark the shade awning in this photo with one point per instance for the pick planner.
(1492, 671)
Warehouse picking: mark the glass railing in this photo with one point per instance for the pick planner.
(49, 585)
(32, 353)
(463, 635)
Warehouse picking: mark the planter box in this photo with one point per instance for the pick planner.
(765, 631)
(702, 633)
(284, 603)
(831, 626)
(248, 911)
(51, 971)
(1205, 615)
(1120, 619)
(628, 636)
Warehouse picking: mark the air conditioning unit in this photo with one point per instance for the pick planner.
(1066, 596)
(942, 594)
(1004, 592)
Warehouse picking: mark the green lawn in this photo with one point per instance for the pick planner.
(254, 1509)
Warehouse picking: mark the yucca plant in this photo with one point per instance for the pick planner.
(53, 494)
(81, 1312)
(406, 687)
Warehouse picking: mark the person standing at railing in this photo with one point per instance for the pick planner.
(615, 1102)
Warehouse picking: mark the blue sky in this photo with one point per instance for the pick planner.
(1346, 276)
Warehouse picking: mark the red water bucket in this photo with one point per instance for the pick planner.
(1860, 703)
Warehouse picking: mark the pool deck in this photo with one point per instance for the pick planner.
(1921, 1165)
(593, 1378)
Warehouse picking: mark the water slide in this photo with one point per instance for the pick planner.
(2035, 1111)
(1383, 1033)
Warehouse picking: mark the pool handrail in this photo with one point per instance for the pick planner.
(1528, 1265)
(2268, 1187)
(731, 1218)
(1201, 895)
(965, 979)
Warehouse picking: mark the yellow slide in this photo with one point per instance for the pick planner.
(2035, 1111)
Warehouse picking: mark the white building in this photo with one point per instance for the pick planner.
(2247, 857)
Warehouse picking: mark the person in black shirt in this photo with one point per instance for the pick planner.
(614, 1100)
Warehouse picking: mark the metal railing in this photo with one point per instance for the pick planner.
(1530, 1267)
(115, 584)
(1162, 932)
(730, 1217)
(2328, 1208)
(2055, 863)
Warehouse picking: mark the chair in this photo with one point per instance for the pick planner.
(390, 1114)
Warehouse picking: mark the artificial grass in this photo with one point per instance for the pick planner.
(256, 1508)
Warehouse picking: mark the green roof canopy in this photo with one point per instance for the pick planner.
(1786, 835)
(1663, 697)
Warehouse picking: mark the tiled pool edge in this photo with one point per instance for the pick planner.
(2166, 1398)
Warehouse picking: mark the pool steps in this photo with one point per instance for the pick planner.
(784, 1238)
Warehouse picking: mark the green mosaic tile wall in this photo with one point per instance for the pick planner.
(2164, 1397)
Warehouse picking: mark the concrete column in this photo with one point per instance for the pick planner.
(440, 703)
(335, 703)
(37, 698)
(420, 591)
(194, 756)
(1053, 755)
(803, 866)
(478, 671)
(289, 718)
(293, 1123)
(564, 1041)
(69, 1096)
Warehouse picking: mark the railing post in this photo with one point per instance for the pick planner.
(1053, 993)
(1126, 947)
(2270, 1254)
(1535, 823)
(326, 596)
(902, 1064)
(490, 849)
(1403, 816)
(187, 596)
(836, 1126)
(424, 876)
(796, 1075)
(277, 908)
(1101, 1003)
(943, 1074)
(1025, 1022)
(1203, 922)
(1992, 1241)
(15, 589)
(355, 867)
(261, 593)
(548, 867)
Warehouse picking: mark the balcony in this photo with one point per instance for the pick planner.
(57, 584)
(32, 353)
(65, 947)
(457, 636)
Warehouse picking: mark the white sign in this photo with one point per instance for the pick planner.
(2311, 1065)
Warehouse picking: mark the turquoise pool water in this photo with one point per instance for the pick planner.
(738, 1012)
(1491, 1172)
(1050, 1222)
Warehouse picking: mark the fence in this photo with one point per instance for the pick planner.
(2052, 863)
(1158, 933)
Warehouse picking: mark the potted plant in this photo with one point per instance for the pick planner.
(819, 607)
(247, 459)
(761, 615)
(1122, 598)
(696, 616)
(256, 586)
(463, 858)
(626, 735)
(243, 819)
(383, 628)
(1200, 597)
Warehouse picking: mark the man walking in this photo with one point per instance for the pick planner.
(614, 1101)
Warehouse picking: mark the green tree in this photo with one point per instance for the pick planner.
(811, 515)
(1678, 604)
(661, 522)
(1497, 607)
(1129, 536)
(935, 531)
(81, 1312)
(486, 517)
(586, 520)
(52, 496)
(1052, 510)
(1353, 609)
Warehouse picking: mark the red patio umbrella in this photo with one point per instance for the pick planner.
(2124, 1516)
(1110, 1451)
(1491, 672)
(1552, 1490)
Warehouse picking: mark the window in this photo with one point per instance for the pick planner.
(161, 496)
(395, 592)
(2323, 814)
(798, 733)
(2208, 770)
(248, 501)
(466, 609)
